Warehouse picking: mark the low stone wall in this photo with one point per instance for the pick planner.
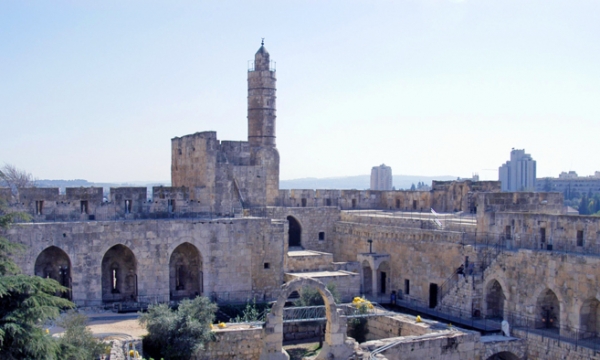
(382, 327)
(544, 348)
(232, 344)
(448, 345)
(311, 261)
(303, 330)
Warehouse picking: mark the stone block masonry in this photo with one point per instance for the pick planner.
(235, 259)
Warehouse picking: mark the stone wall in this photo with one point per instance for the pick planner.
(451, 345)
(423, 257)
(313, 221)
(579, 234)
(529, 280)
(243, 344)
(546, 348)
(383, 327)
(240, 258)
(542, 203)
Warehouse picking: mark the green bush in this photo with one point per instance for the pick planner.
(178, 334)
(77, 342)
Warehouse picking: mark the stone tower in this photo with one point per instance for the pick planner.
(261, 101)
(221, 176)
(261, 121)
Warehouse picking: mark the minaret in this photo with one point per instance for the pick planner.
(261, 101)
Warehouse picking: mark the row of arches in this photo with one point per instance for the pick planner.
(120, 272)
(547, 309)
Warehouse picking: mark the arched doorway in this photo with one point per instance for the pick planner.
(548, 310)
(367, 278)
(185, 272)
(494, 300)
(589, 318)
(119, 275)
(336, 345)
(54, 263)
(383, 278)
(504, 355)
(294, 232)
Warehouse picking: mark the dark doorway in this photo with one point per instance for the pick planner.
(382, 281)
(543, 234)
(433, 295)
(54, 263)
(294, 232)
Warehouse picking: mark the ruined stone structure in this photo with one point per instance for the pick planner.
(226, 231)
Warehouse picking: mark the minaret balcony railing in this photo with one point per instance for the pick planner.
(272, 65)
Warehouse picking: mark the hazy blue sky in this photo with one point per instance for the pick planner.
(96, 89)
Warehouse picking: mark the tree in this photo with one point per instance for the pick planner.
(412, 187)
(584, 205)
(15, 179)
(78, 342)
(26, 302)
(178, 334)
(311, 297)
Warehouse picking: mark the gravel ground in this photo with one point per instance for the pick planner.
(110, 326)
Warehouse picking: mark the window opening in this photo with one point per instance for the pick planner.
(127, 206)
(84, 206)
(303, 202)
(579, 237)
(322, 235)
(171, 205)
(39, 206)
(406, 286)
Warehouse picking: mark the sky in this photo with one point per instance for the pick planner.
(95, 90)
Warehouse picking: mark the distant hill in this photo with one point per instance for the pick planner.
(358, 182)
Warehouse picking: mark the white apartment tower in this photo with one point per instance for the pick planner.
(518, 174)
(381, 177)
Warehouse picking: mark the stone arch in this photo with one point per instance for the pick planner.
(336, 343)
(548, 311)
(185, 272)
(367, 278)
(495, 300)
(294, 232)
(55, 264)
(383, 278)
(589, 318)
(119, 275)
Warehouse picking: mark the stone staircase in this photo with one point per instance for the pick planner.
(463, 294)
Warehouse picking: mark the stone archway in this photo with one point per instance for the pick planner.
(547, 310)
(185, 272)
(294, 232)
(589, 318)
(119, 275)
(55, 264)
(336, 346)
(494, 300)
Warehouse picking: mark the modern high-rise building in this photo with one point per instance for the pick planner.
(381, 177)
(518, 174)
